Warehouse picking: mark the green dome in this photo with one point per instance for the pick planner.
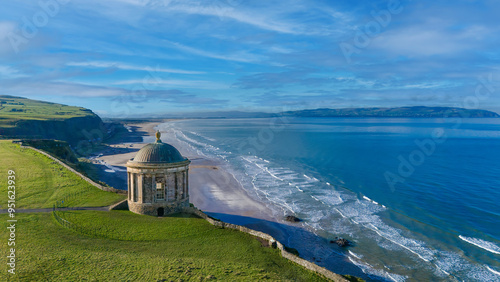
(158, 152)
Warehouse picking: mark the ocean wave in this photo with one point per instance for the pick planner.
(363, 213)
(375, 273)
(318, 200)
(493, 271)
(370, 200)
(299, 193)
(253, 160)
(314, 179)
(355, 255)
(273, 181)
(329, 197)
(202, 136)
(341, 214)
(482, 273)
(201, 148)
(489, 246)
(111, 169)
(328, 207)
(183, 136)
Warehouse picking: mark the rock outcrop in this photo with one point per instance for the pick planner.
(292, 218)
(341, 242)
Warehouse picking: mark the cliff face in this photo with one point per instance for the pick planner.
(73, 130)
(22, 118)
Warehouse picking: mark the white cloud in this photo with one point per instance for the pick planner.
(6, 28)
(281, 18)
(39, 88)
(7, 72)
(429, 85)
(430, 39)
(134, 2)
(222, 9)
(279, 49)
(243, 57)
(157, 82)
(118, 65)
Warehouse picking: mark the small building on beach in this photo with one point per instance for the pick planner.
(158, 180)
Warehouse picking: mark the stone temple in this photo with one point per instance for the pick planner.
(158, 180)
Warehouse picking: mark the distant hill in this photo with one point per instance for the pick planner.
(407, 112)
(400, 112)
(32, 119)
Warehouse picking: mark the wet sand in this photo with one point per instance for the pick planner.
(211, 188)
(216, 192)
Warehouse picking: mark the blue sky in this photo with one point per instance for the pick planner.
(128, 57)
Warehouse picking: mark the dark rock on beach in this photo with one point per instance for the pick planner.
(341, 242)
(292, 218)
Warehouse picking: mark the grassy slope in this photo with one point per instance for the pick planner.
(16, 108)
(145, 249)
(40, 181)
(128, 247)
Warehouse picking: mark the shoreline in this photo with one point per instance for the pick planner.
(216, 192)
(111, 160)
(219, 194)
(386, 245)
(212, 189)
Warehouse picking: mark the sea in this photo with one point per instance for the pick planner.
(419, 198)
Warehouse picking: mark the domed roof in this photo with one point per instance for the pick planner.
(158, 152)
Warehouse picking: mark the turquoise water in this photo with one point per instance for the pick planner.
(419, 197)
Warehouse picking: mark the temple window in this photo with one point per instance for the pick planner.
(160, 191)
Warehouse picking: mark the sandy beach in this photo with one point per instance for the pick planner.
(215, 191)
(211, 188)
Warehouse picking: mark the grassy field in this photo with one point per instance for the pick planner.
(40, 181)
(141, 248)
(123, 246)
(15, 108)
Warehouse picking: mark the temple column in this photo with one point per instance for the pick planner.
(178, 186)
(140, 189)
(136, 187)
(153, 188)
(171, 187)
(185, 180)
(129, 186)
(177, 190)
(132, 186)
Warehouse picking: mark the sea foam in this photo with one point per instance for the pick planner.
(493, 271)
(295, 190)
(489, 246)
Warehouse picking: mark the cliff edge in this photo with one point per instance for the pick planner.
(31, 119)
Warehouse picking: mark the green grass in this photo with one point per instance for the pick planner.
(40, 181)
(146, 228)
(123, 246)
(143, 249)
(13, 109)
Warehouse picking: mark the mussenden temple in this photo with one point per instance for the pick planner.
(158, 180)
